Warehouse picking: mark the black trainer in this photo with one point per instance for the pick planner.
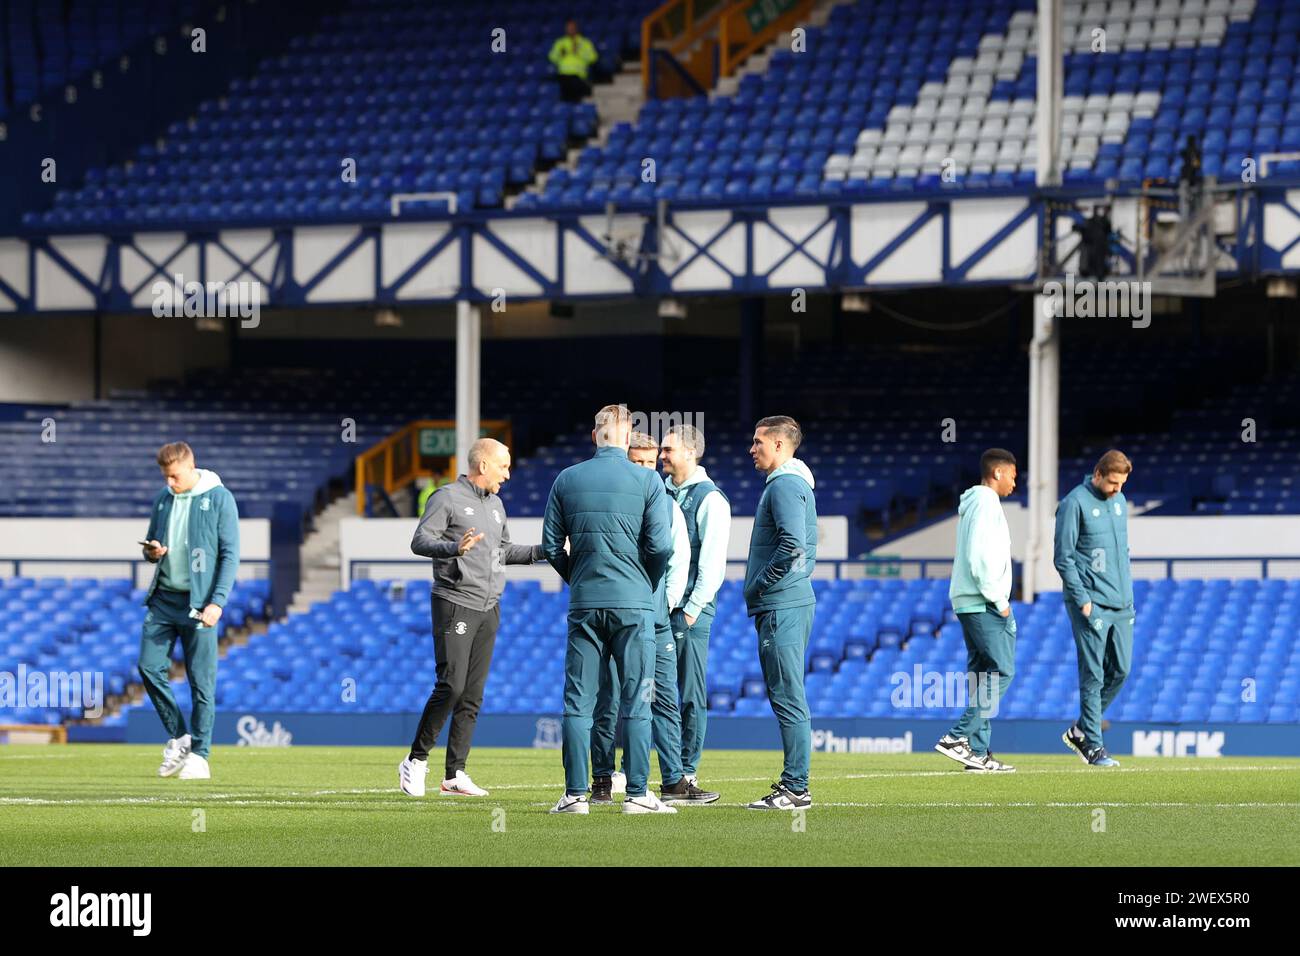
(602, 790)
(987, 763)
(958, 748)
(1097, 757)
(783, 798)
(683, 791)
(1076, 741)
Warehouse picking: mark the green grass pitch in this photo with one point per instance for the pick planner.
(86, 805)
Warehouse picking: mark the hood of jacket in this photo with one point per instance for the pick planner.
(698, 475)
(207, 481)
(794, 467)
(970, 498)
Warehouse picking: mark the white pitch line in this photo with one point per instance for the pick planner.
(239, 802)
(984, 805)
(953, 805)
(255, 801)
(39, 756)
(357, 804)
(880, 775)
(1099, 771)
(394, 790)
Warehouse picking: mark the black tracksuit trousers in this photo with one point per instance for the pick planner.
(463, 640)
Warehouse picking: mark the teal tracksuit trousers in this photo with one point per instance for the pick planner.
(621, 638)
(782, 651)
(692, 663)
(990, 655)
(1104, 642)
(166, 620)
(665, 717)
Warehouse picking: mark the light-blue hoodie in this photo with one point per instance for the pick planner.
(981, 569)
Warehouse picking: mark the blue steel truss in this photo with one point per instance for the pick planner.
(897, 242)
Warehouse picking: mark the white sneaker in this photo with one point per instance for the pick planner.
(648, 803)
(196, 768)
(572, 804)
(174, 754)
(958, 748)
(410, 776)
(987, 763)
(618, 782)
(461, 785)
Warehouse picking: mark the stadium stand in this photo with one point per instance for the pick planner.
(46, 44)
(84, 625)
(865, 632)
(953, 89)
(1222, 71)
(269, 456)
(399, 87)
(273, 434)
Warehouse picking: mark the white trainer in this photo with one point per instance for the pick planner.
(572, 804)
(958, 749)
(462, 786)
(196, 768)
(174, 754)
(618, 782)
(648, 803)
(410, 776)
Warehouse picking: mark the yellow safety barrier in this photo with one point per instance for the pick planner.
(709, 40)
(676, 27)
(752, 24)
(399, 459)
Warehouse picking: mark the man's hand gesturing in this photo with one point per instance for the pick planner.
(468, 540)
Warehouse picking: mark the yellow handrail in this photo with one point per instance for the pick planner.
(394, 462)
(657, 21)
(678, 25)
(735, 31)
(662, 25)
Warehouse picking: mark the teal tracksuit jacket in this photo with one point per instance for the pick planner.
(1091, 548)
(779, 596)
(616, 518)
(1092, 557)
(208, 554)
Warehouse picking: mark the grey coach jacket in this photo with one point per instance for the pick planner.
(476, 578)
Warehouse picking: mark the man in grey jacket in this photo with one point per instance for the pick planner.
(464, 531)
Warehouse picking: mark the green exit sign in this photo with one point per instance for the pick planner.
(441, 442)
(763, 12)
